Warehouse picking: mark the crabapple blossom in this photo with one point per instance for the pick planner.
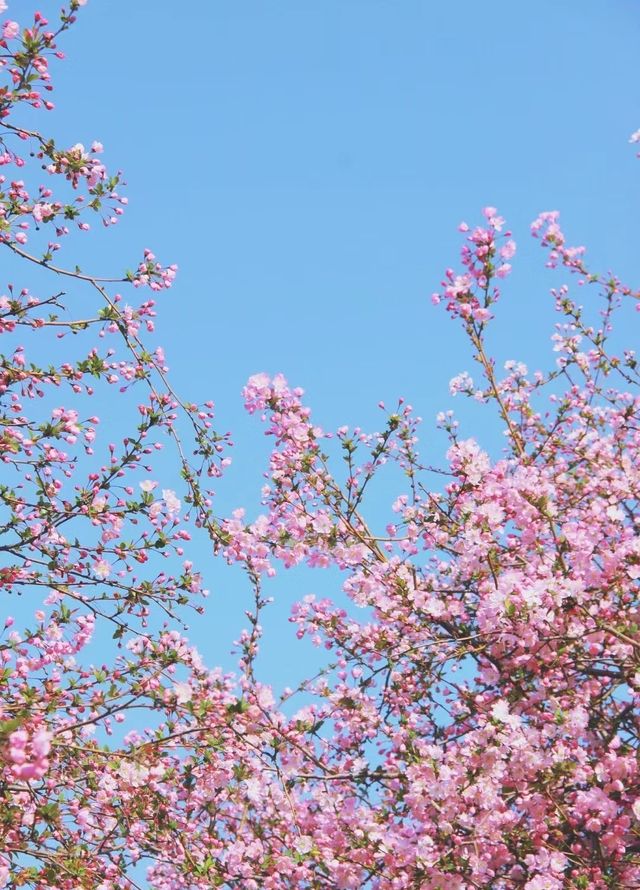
(475, 720)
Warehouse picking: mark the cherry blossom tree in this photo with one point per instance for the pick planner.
(475, 721)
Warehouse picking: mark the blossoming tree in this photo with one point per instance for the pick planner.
(476, 721)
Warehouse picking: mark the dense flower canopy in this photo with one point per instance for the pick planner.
(476, 721)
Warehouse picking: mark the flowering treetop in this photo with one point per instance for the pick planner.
(476, 722)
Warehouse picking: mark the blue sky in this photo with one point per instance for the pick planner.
(306, 164)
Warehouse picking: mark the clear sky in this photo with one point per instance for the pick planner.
(306, 163)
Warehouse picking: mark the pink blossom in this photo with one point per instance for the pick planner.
(101, 569)
(40, 211)
(10, 30)
(184, 692)
(172, 503)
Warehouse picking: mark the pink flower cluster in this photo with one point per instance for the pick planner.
(471, 293)
(152, 274)
(28, 753)
(547, 228)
